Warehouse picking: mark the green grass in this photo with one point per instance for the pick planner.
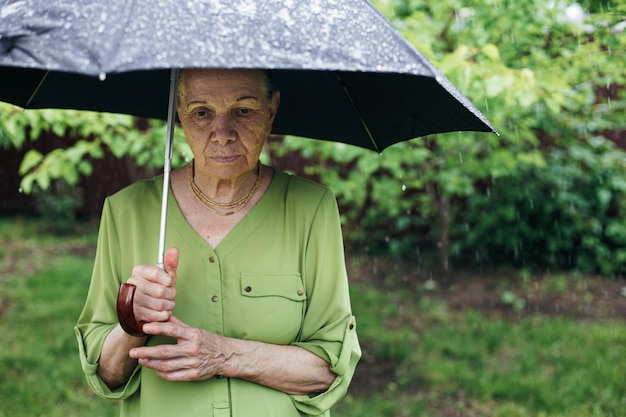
(439, 362)
(39, 364)
(476, 366)
(41, 294)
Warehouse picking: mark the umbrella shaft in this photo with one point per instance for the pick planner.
(167, 166)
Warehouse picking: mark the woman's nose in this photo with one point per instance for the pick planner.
(223, 129)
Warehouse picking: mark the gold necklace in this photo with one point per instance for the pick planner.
(223, 209)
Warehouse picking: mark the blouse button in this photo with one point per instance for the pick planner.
(214, 298)
(300, 293)
(248, 289)
(211, 259)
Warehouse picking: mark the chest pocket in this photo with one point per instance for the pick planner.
(273, 305)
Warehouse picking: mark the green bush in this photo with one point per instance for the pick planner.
(59, 202)
(568, 215)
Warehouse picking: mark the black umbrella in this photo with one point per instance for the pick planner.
(344, 73)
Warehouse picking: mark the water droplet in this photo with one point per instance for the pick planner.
(403, 187)
(12, 9)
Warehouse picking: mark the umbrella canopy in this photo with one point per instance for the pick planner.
(344, 73)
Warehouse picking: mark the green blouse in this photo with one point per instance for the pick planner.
(278, 277)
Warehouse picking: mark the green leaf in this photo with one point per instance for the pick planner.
(85, 168)
(491, 51)
(30, 161)
(59, 129)
(26, 185)
(70, 176)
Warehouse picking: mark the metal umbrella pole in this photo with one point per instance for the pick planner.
(167, 166)
(126, 293)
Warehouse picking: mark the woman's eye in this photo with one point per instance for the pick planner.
(200, 112)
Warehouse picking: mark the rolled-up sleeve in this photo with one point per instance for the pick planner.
(99, 314)
(344, 366)
(89, 365)
(329, 328)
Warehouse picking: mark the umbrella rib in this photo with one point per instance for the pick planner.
(356, 109)
(32, 96)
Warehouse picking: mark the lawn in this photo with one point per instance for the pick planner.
(506, 344)
(43, 281)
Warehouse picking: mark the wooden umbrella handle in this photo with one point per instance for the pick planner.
(125, 313)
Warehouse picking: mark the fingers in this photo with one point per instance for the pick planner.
(195, 355)
(173, 328)
(148, 309)
(155, 294)
(171, 264)
(154, 274)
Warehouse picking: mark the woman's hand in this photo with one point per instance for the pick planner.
(154, 300)
(197, 355)
(200, 354)
(155, 293)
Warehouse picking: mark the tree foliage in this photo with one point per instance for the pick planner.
(98, 133)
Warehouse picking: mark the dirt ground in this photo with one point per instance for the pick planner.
(552, 294)
(584, 298)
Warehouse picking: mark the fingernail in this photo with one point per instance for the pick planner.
(132, 353)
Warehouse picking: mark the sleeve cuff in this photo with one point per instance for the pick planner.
(95, 382)
(344, 366)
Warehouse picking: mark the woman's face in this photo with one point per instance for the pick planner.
(226, 117)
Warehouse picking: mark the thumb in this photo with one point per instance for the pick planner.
(175, 320)
(171, 263)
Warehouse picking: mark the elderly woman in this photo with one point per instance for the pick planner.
(251, 315)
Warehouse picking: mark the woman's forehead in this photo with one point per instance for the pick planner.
(223, 77)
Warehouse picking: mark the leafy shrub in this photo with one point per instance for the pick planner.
(58, 204)
(567, 215)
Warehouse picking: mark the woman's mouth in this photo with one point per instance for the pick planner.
(225, 159)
